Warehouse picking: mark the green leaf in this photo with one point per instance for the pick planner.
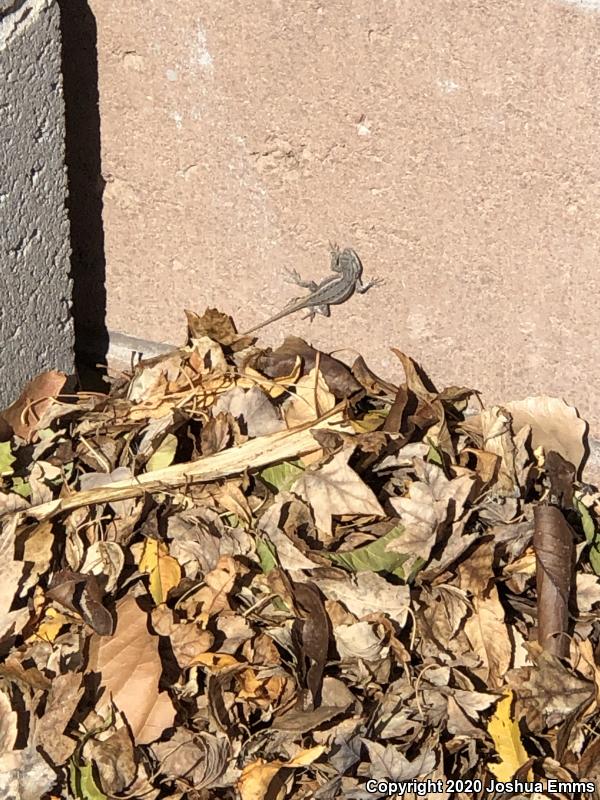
(267, 554)
(434, 454)
(280, 477)
(595, 559)
(82, 782)
(372, 421)
(590, 533)
(587, 523)
(164, 454)
(22, 487)
(6, 459)
(374, 557)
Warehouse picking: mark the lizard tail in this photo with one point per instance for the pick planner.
(274, 318)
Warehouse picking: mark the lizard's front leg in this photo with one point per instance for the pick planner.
(295, 277)
(334, 264)
(361, 287)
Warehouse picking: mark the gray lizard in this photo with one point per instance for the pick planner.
(333, 290)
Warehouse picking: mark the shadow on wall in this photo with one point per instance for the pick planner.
(86, 185)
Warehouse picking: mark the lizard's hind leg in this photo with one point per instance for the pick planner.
(325, 310)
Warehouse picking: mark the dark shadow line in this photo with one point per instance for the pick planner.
(86, 185)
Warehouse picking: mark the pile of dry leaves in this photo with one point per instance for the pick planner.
(265, 574)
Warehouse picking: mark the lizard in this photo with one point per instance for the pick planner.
(346, 279)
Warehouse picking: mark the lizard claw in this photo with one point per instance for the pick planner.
(376, 282)
(292, 275)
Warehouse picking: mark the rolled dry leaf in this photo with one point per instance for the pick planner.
(562, 475)
(554, 552)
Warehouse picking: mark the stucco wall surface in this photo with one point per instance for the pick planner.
(453, 144)
(36, 331)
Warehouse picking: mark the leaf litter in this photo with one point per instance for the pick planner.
(249, 574)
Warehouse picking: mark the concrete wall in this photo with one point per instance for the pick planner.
(453, 144)
(36, 331)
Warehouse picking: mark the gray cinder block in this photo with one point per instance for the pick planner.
(36, 328)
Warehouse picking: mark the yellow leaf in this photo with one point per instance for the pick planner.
(256, 777)
(162, 579)
(305, 757)
(507, 740)
(164, 454)
(214, 661)
(50, 626)
(274, 387)
(163, 569)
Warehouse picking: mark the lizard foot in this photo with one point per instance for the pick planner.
(369, 285)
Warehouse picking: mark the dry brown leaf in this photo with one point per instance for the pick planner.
(498, 439)
(433, 502)
(554, 426)
(64, 695)
(312, 398)
(234, 500)
(25, 775)
(459, 723)
(280, 362)
(213, 596)
(104, 558)
(83, 595)
(129, 668)
(188, 640)
(286, 506)
(389, 762)
(588, 591)
(335, 489)
(554, 545)
(25, 413)
(12, 617)
(8, 727)
(197, 758)
(36, 542)
(487, 632)
(360, 640)
(251, 408)
(444, 608)
(368, 593)
(114, 759)
(215, 662)
(485, 466)
(550, 691)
